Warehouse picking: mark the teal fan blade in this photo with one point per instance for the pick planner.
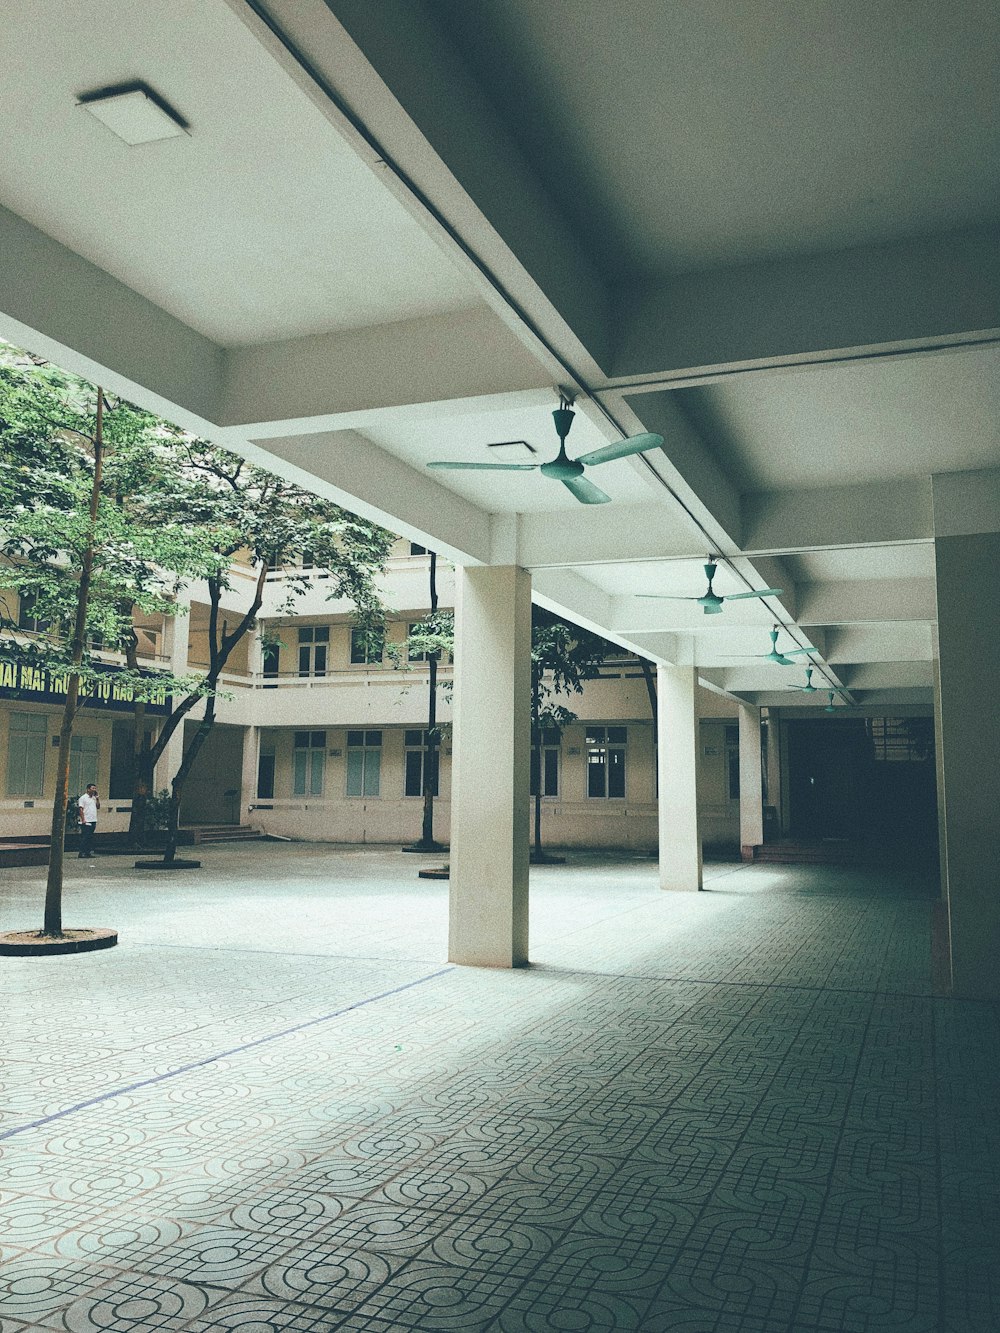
(484, 467)
(635, 444)
(585, 491)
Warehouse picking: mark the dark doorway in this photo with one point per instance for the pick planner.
(867, 780)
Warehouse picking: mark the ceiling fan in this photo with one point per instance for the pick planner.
(710, 600)
(784, 658)
(830, 695)
(808, 687)
(568, 470)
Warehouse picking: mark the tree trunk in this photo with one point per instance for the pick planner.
(54, 881)
(142, 773)
(431, 737)
(650, 679)
(220, 648)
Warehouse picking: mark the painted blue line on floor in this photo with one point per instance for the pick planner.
(220, 1055)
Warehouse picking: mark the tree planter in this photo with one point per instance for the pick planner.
(545, 859)
(177, 864)
(440, 872)
(426, 848)
(35, 944)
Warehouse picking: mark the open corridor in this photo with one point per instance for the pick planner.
(276, 1106)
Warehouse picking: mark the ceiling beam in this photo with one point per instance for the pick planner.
(907, 295)
(65, 308)
(859, 601)
(335, 380)
(835, 517)
(346, 467)
(404, 96)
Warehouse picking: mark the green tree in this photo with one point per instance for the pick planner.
(77, 544)
(266, 521)
(563, 657)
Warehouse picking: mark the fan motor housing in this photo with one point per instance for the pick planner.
(562, 469)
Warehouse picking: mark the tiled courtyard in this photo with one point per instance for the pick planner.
(276, 1106)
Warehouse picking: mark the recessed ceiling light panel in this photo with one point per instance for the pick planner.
(134, 113)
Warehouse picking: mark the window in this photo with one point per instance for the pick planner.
(308, 759)
(606, 761)
(549, 767)
(364, 762)
(26, 754)
(414, 756)
(413, 654)
(313, 645)
(83, 757)
(270, 657)
(265, 771)
(26, 618)
(417, 549)
(367, 645)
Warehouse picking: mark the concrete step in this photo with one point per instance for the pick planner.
(226, 833)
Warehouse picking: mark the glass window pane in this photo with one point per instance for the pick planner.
(617, 735)
(299, 773)
(551, 787)
(305, 653)
(616, 773)
(414, 773)
(596, 773)
(316, 773)
(319, 664)
(595, 735)
(355, 770)
(321, 634)
(373, 738)
(355, 738)
(301, 740)
(373, 762)
(317, 740)
(412, 737)
(265, 776)
(305, 635)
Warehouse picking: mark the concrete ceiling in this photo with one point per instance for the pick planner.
(680, 136)
(396, 231)
(260, 224)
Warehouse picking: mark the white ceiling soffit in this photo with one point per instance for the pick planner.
(467, 436)
(681, 136)
(854, 423)
(260, 224)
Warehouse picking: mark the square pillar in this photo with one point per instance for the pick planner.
(677, 763)
(175, 642)
(968, 734)
(490, 768)
(751, 782)
(248, 778)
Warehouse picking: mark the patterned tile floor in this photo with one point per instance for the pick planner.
(275, 1106)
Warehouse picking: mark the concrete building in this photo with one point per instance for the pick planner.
(348, 240)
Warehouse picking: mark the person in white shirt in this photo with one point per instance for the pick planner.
(87, 808)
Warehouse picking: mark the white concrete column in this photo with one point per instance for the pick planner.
(677, 761)
(248, 777)
(488, 898)
(751, 782)
(968, 727)
(175, 635)
(774, 764)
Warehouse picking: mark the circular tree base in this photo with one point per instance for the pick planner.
(178, 864)
(36, 944)
(544, 859)
(442, 872)
(425, 847)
